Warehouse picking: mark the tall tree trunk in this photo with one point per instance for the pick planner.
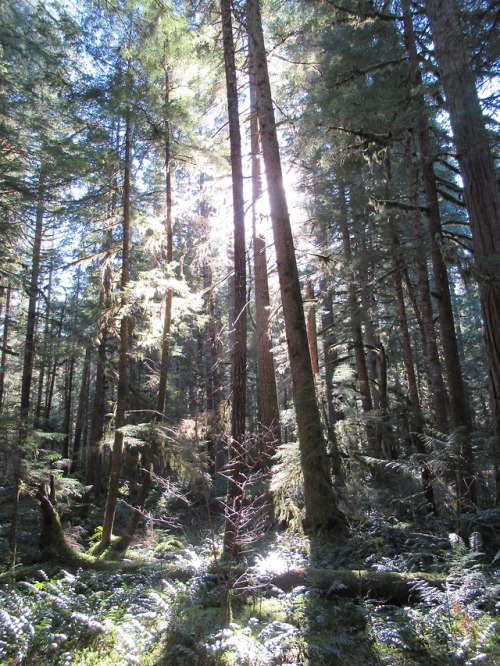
(51, 376)
(312, 329)
(80, 412)
(167, 321)
(122, 393)
(152, 447)
(5, 341)
(45, 356)
(356, 330)
(321, 508)
(416, 418)
(268, 406)
(239, 324)
(330, 360)
(464, 467)
(481, 186)
(68, 406)
(28, 358)
(438, 391)
(29, 340)
(94, 458)
(93, 467)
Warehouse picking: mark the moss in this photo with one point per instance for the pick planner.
(168, 546)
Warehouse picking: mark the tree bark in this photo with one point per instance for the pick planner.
(416, 419)
(312, 329)
(267, 393)
(439, 396)
(481, 186)
(321, 509)
(28, 359)
(464, 467)
(167, 321)
(68, 407)
(5, 341)
(151, 448)
(80, 412)
(356, 330)
(239, 324)
(122, 394)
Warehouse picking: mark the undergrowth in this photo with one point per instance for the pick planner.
(105, 618)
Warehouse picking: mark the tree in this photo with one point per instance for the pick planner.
(239, 323)
(268, 407)
(456, 387)
(481, 186)
(321, 509)
(122, 392)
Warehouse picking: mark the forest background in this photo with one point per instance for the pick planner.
(248, 258)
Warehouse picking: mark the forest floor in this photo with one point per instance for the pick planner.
(163, 603)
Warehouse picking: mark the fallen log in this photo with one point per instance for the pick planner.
(387, 586)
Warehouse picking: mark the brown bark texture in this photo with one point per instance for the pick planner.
(481, 186)
(267, 391)
(239, 323)
(464, 467)
(321, 509)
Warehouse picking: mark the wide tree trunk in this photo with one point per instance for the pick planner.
(321, 509)
(480, 181)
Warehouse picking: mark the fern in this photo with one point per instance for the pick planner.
(286, 485)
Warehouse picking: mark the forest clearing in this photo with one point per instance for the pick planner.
(250, 332)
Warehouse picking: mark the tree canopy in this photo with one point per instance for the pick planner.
(250, 263)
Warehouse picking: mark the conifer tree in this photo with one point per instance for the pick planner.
(321, 509)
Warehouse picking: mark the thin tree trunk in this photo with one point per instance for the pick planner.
(167, 321)
(481, 190)
(45, 355)
(416, 418)
(94, 458)
(28, 358)
(51, 377)
(239, 378)
(330, 360)
(321, 508)
(312, 329)
(122, 394)
(151, 448)
(68, 407)
(5, 341)
(356, 330)
(466, 489)
(267, 393)
(438, 391)
(80, 412)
